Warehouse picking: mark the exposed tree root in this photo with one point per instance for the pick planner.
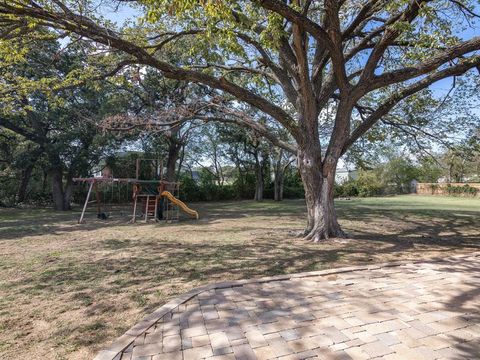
(319, 233)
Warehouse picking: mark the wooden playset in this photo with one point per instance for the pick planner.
(153, 199)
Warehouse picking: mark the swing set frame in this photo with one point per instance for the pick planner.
(137, 193)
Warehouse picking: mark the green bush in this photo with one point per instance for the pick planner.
(207, 189)
(466, 190)
(367, 184)
(189, 190)
(293, 192)
(370, 184)
(370, 190)
(433, 188)
(8, 189)
(349, 188)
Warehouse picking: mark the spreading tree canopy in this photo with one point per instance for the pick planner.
(56, 120)
(326, 71)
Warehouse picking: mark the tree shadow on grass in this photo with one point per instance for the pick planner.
(144, 273)
(419, 224)
(17, 223)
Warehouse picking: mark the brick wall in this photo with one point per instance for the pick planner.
(440, 188)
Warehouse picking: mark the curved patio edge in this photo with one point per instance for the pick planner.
(125, 340)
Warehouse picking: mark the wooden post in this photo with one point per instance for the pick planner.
(146, 208)
(134, 210)
(97, 196)
(135, 197)
(86, 203)
(156, 208)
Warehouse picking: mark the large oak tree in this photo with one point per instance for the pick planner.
(309, 65)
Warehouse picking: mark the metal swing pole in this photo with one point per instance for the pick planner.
(86, 202)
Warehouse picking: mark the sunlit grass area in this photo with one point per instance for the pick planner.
(67, 289)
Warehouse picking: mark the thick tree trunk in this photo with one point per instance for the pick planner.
(57, 189)
(180, 162)
(173, 152)
(322, 218)
(58, 193)
(67, 194)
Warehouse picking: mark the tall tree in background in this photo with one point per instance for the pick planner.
(149, 106)
(249, 151)
(282, 161)
(313, 56)
(462, 162)
(62, 126)
(19, 158)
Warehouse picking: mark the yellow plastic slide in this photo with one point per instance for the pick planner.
(180, 204)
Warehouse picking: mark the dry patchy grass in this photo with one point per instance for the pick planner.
(66, 290)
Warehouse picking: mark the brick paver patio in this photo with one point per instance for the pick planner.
(426, 310)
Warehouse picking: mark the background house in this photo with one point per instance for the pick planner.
(344, 174)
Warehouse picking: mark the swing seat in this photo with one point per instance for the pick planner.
(102, 216)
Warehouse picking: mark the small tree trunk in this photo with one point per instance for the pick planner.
(278, 178)
(278, 186)
(258, 180)
(321, 215)
(27, 173)
(22, 188)
(44, 181)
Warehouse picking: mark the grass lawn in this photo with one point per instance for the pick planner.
(66, 290)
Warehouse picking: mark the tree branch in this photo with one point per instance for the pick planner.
(86, 27)
(398, 96)
(427, 66)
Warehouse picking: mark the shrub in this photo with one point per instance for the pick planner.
(293, 192)
(433, 188)
(372, 189)
(466, 189)
(350, 188)
(370, 184)
(367, 184)
(189, 190)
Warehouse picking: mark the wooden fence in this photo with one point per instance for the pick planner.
(442, 188)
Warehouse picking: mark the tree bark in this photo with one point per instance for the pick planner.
(57, 189)
(278, 186)
(44, 181)
(322, 220)
(259, 186)
(173, 152)
(180, 162)
(27, 173)
(67, 194)
(22, 188)
(60, 196)
(278, 178)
